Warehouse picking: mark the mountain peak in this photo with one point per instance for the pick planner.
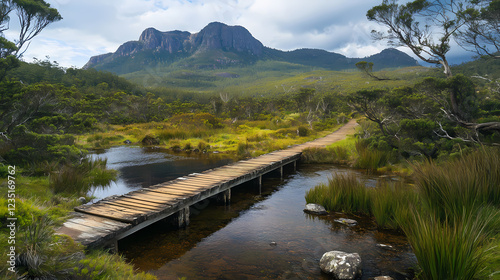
(220, 45)
(218, 35)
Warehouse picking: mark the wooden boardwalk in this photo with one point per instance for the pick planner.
(113, 218)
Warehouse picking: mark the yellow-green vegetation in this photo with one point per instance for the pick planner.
(271, 78)
(39, 209)
(205, 133)
(451, 215)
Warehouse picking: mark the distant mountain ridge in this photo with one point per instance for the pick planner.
(218, 46)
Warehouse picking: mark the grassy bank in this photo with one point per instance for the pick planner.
(451, 215)
(42, 204)
(205, 133)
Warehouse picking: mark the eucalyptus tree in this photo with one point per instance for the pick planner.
(425, 27)
(33, 16)
(481, 33)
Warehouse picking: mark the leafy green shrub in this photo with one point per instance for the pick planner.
(203, 146)
(101, 265)
(4, 171)
(302, 131)
(337, 154)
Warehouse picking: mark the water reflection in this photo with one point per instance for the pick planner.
(266, 236)
(142, 167)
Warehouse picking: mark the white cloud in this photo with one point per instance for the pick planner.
(94, 27)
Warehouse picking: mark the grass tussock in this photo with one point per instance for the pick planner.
(343, 193)
(371, 159)
(335, 155)
(389, 203)
(456, 248)
(464, 184)
(79, 179)
(451, 215)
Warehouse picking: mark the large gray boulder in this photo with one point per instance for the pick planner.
(316, 209)
(341, 265)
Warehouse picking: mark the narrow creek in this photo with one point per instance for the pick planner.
(258, 236)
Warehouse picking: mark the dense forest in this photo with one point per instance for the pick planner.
(51, 116)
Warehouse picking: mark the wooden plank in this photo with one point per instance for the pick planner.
(172, 184)
(200, 180)
(84, 228)
(200, 177)
(186, 186)
(109, 213)
(170, 191)
(149, 199)
(120, 209)
(153, 197)
(140, 202)
(133, 205)
(100, 226)
(194, 185)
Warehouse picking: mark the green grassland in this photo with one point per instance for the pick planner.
(271, 78)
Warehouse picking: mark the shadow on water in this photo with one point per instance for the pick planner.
(266, 236)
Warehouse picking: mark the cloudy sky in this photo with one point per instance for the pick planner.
(93, 27)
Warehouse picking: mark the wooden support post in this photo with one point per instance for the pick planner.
(260, 184)
(281, 172)
(227, 197)
(183, 217)
(224, 197)
(294, 166)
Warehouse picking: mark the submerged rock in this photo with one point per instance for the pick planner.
(349, 222)
(383, 278)
(128, 142)
(341, 265)
(384, 246)
(316, 209)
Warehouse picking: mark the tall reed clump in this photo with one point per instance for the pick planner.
(390, 203)
(459, 213)
(343, 193)
(456, 248)
(78, 179)
(370, 158)
(337, 155)
(463, 184)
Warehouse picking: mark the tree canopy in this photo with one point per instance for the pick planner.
(33, 15)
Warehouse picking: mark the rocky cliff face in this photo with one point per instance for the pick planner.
(215, 36)
(228, 38)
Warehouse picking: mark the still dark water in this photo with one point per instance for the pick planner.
(142, 167)
(258, 236)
